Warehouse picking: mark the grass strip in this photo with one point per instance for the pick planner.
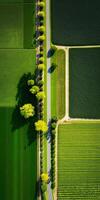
(58, 85)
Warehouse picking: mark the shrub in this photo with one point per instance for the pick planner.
(53, 125)
(43, 187)
(41, 142)
(53, 132)
(53, 142)
(53, 153)
(27, 110)
(30, 82)
(34, 89)
(54, 119)
(53, 137)
(52, 161)
(53, 185)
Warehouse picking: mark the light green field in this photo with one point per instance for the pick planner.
(18, 146)
(58, 85)
(79, 161)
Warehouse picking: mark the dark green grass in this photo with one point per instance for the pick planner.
(18, 163)
(84, 81)
(17, 25)
(75, 22)
(58, 85)
(79, 161)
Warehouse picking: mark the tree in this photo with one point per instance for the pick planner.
(41, 125)
(41, 5)
(27, 110)
(41, 29)
(44, 177)
(41, 60)
(40, 95)
(41, 38)
(41, 14)
(41, 66)
(53, 125)
(34, 89)
(30, 82)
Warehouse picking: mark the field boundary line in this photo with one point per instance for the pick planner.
(77, 47)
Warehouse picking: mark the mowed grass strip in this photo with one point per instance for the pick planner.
(58, 85)
(79, 161)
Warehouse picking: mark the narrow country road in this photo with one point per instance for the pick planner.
(48, 41)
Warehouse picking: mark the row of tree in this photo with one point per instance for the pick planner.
(53, 154)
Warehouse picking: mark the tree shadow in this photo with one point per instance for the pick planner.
(50, 53)
(52, 68)
(23, 96)
(31, 133)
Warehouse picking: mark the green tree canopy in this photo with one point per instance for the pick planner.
(27, 110)
(41, 66)
(41, 125)
(40, 95)
(41, 38)
(30, 82)
(34, 89)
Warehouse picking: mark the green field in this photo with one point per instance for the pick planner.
(58, 85)
(18, 146)
(75, 22)
(79, 161)
(84, 82)
(17, 25)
